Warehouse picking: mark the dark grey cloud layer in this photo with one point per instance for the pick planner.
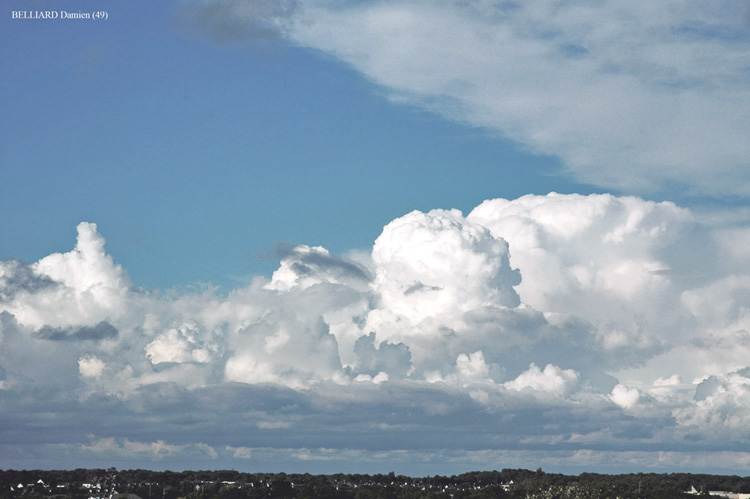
(236, 20)
(18, 276)
(101, 331)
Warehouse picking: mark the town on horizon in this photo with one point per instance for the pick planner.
(229, 484)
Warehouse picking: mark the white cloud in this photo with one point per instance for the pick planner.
(240, 452)
(90, 288)
(722, 408)
(447, 323)
(597, 244)
(158, 449)
(437, 277)
(472, 369)
(286, 351)
(179, 345)
(438, 263)
(377, 379)
(553, 380)
(597, 277)
(614, 262)
(87, 268)
(305, 266)
(91, 367)
(625, 397)
(630, 96)
(273, 425)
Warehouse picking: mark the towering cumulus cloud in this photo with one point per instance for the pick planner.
(558, 323)
(603, 258)
(440, 263)
(84, 286)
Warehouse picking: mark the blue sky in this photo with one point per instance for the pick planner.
(198, 157)
(411, 236)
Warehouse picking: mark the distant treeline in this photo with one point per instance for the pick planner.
(508, 483)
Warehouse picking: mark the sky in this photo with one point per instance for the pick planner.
(326, 236)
